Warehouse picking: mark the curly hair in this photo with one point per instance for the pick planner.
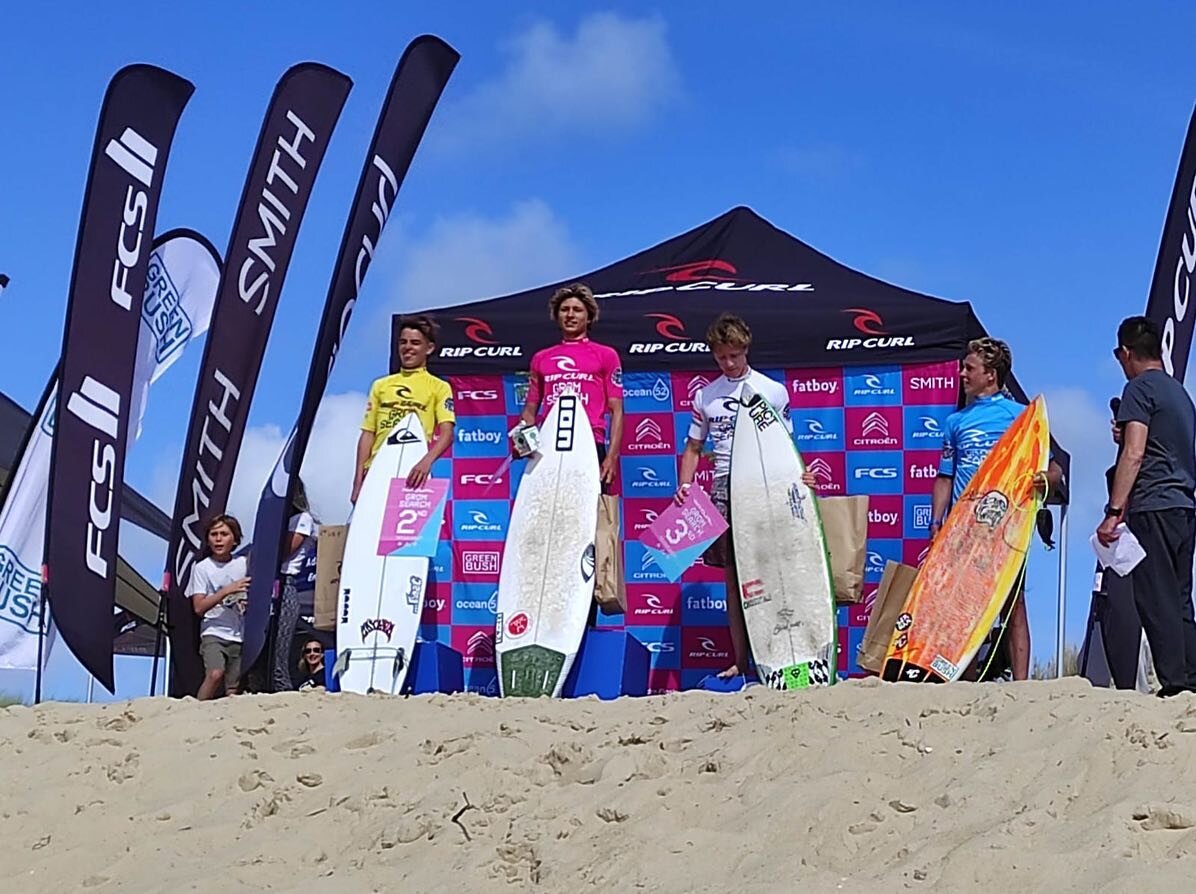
(994, 354)
(730, 331)
(581, 292)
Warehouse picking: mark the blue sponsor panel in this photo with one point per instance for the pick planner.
(855, 639)
(842, 613)
(649, 476)
(703, 605)
(474, 605)
(917, 517)
(440, 569)
(818, 429)
(924, 427)
(514, 474)
(878, 386)
(874, 472)
(481, 681)
(879, 552)
(481, 519)
(515, 388)
(691, 678)
(663, 645)
(639, 565)
(443, 470)
(645, 392)
(480, 436)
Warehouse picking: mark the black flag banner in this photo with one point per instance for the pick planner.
(302, 114)
(99, 351)
(1170, 290)
(416, 87)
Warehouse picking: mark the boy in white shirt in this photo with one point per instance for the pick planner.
(714, 410)
(218, 590)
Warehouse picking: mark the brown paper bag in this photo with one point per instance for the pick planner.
(610, 591)
(330, 550)
(890, 599)
(845, 522)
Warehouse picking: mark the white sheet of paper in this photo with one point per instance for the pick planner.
(1123, 555)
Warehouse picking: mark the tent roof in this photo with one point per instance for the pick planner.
(805, 310)
(133, 592)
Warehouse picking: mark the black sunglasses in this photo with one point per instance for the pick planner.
(315, 651)
(1117, 352)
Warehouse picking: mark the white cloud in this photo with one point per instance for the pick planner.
(612, 74)
(466, 257)
(327, 468)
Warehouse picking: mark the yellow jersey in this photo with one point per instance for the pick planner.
(407, 391)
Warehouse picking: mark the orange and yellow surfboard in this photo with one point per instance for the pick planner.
(975, 560)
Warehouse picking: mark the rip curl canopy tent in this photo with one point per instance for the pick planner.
(809, 315)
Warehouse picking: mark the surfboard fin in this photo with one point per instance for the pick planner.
(342, 663)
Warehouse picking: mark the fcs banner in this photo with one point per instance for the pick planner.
(180, 289)
(298, 126)
(137, 123)
(418, 81)
(1170, 290)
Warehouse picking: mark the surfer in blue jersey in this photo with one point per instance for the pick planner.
(714, 409)
(968, 437)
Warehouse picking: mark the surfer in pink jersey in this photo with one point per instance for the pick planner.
(714, 409)
(582, 366)
(968, 437)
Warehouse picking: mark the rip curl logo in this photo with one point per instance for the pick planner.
(867, 321)
(566, 364)
(378, 625)
(697, 271)
(669, 327)
(163, 313)
(477, 331)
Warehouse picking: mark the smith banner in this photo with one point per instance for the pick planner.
(303, 112)
(180, 289)
(1170, 291)
(137, 123)
(418, 82)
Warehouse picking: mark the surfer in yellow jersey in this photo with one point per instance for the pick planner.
(411, 390)
(968, 437)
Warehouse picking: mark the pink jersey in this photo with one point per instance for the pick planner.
(583, 367)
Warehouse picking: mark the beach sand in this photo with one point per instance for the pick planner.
(864, 787)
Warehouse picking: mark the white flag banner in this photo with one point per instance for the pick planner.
(180, 289)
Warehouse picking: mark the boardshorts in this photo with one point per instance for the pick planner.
(220, 654)
(719, 553)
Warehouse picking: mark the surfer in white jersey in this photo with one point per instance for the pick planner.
(714, 410)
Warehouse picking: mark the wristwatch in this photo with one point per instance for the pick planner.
(1112, 511)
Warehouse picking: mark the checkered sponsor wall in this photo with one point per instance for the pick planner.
(861, 430)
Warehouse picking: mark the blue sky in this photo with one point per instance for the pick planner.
(1019, 157)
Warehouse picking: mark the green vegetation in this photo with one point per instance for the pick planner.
(1045, 670)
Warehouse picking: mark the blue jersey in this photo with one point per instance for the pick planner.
(971, 433)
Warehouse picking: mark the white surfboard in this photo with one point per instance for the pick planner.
(780, 553)
(381, 597)
(547, 577)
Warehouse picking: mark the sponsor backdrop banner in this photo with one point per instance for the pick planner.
(120, 205)
(298, 126)
(872, 430)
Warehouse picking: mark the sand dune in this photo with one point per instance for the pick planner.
(867, 787)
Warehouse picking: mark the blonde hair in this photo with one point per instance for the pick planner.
(994, 354)
(577, 290)
(730, 331)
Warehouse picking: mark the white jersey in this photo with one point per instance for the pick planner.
(715, 406)
(208, 576)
